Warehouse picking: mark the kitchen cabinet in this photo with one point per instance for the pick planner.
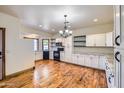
(75, 58)
(68, 49)
(102, 62)
(104, 39)
(122, 28)
(119, 68)
(87, 60)
(81, 60)
(109, 39)
(51, 54)
(119, 46)
(94, 61)
(99, 40)
(58, 39)
(90, 41)
(62, 56)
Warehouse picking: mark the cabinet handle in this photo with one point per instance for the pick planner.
(116, 56)
(116, 40)
(109, 79)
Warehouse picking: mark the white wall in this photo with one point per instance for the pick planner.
(19, 52)
(97, 29)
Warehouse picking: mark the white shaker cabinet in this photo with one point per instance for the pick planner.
(109, 39)
(100, 40)
(81, 60)
(68, 49)
(51, 54)
(102, 62)
(75, 58)
(94, 61)
(62, 56)
(90, 40)
(87, 60)
(104, 39)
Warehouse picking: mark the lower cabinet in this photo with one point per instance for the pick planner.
(62, 56)
(87, 60)
(51, 55)
(75, 58)
(81, 59)
(102, 62)
(93, 61)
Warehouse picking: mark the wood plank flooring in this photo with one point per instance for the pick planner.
(54, 74)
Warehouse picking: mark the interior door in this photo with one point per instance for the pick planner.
(2, 53)
(45, 45)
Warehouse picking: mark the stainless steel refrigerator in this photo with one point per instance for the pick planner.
(119, 45)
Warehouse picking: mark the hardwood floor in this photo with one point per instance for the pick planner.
(54, 74)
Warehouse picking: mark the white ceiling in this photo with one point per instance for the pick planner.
(52, 16)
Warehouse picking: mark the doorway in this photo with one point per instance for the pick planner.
(2, 53)
(45, 46)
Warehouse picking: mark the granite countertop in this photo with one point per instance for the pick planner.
(93, 53)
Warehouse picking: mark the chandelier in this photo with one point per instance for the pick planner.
(65, 33)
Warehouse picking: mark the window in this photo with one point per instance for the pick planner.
(36, 44)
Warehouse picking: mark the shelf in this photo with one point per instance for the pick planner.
(80, 36)
(79, 41)
(79, 46)
(96, 46)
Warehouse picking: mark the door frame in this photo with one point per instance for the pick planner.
(48, 43)
(3, 49)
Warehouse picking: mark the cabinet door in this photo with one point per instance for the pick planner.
(100, 40)
(94, 61)
(81, 60)
(87, 60)
(58, 39)
(90, 40)
(102, 62)
(68, 49)
(74, 59)
(62, 56)
(122, 67)
(51, 55)
(109, 39)
(122, 27)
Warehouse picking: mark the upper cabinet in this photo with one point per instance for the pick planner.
(109, 39)
(105, 39)
(100, 40)
(90, 40)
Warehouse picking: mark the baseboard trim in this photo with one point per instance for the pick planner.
(81, 65)
(38, 60)
(20, 72)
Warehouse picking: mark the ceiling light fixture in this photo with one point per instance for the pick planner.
(53, 29)
(40, 25)
(65, 33)
(95, 20)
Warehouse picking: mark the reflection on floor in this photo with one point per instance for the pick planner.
(54, 74)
